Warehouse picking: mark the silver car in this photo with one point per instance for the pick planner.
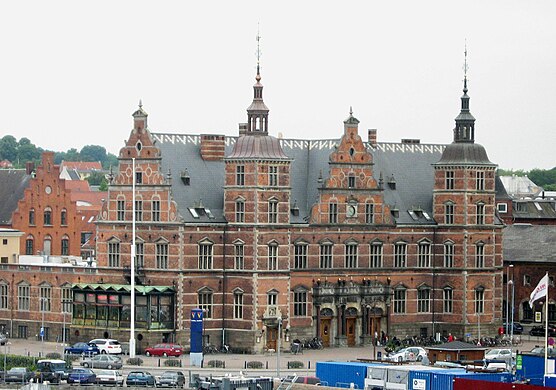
(103, 361)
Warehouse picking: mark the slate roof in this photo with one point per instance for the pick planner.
(457, 346)
(529, 243)
(409, 164)
(465, 153)
(14, 182)
(535, 209)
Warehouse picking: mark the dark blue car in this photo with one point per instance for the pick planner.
(140, 378)
(85, 349)
(82, 375)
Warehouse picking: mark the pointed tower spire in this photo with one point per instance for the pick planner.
(257, 112)
(465, 122)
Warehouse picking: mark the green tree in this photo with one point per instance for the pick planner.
(110, 161)
(93, 153)
(8, 148)
(95, 178)
(543, 177)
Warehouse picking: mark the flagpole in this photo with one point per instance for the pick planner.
(546, 333)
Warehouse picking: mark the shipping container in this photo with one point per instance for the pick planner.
(550, 380)
(444, 378)
(342, 374)
(531, 368)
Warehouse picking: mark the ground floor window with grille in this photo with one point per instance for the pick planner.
(22, 331)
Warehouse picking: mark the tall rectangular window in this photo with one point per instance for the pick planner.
(333, 212)
(480, 213)
(448, 255)
(449, 213)
(423, 300)
(351, 181)
(273, 257)
(240, 211)
(47, 217)
(3, 295)
(272, 299)
(300, 303)
(479, 255)
(480, 181)
(138, 210)
(479, 301)
(399, 301)
(67, 299)
(63, 217)
(29, 246)
(205, 303)
(369, 213)
(238, 305)
(326, 255)
(239, 262)
(65, 246)
(205, 256)
(400, 255)
(32, 217)
(23, 297)
(376, 255)
(139, 254)
(300, 256)
(113, 254)
(120, 207)
(45, 295)
(272, 211)
(138, 177)
(273, 176)
(450, 180)
(156, 211)
(240, 175)
(448, 300)
(162, 255)
(424, 255)
(351, 256)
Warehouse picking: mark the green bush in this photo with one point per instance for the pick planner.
(216, 364)
(254, 364)
(136, 361)
(172, 363)
(21, 361)
(53, 355)
(295, 364)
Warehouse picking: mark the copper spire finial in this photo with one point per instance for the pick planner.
(258, 38)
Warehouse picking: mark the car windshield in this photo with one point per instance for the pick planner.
(17, 369)
(169, 375)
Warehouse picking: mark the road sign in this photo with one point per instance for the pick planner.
(42, 332)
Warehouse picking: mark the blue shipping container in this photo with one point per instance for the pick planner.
(532, 368)
(341, 374)
(444, 379)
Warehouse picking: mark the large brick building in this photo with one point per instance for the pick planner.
(337, 238)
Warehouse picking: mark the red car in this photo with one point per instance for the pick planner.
(164, 350)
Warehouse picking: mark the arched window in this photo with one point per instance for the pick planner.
(4, 294)
(65, 246)
(424, 254)
(47, 216)
(30, 245)
(63, 217)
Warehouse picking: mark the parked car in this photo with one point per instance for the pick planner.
(84, 349)
(171, 379)
(540, 351)
(500, 354)
(109, 346)
(540, 330)
(164, 350)
(18, 375)
(409, 354)
(140, 378)
(103, 361)
(82, 375)
(109, 377)
(518, 328)
(52, 370)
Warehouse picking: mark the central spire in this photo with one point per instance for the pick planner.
(465, 122)
(257, 112)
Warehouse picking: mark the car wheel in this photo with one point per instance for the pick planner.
(86, 365)
(400, 359)
(103, 352)
(419, 358)
(165, 354)
(147, 353)
(109, 367)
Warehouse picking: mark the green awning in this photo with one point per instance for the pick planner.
(122, 287)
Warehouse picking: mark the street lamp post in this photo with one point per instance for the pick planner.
(278, 348)
(43, 309)
(512, 312)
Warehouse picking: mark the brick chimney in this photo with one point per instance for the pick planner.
(372, 137)
(212, 147)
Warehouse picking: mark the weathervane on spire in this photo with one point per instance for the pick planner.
(258, 46)
(465, 66)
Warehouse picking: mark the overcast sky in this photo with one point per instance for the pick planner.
(72, 72)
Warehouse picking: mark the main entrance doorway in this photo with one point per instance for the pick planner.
(350, 331)
(325, 331)
(271, 338)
